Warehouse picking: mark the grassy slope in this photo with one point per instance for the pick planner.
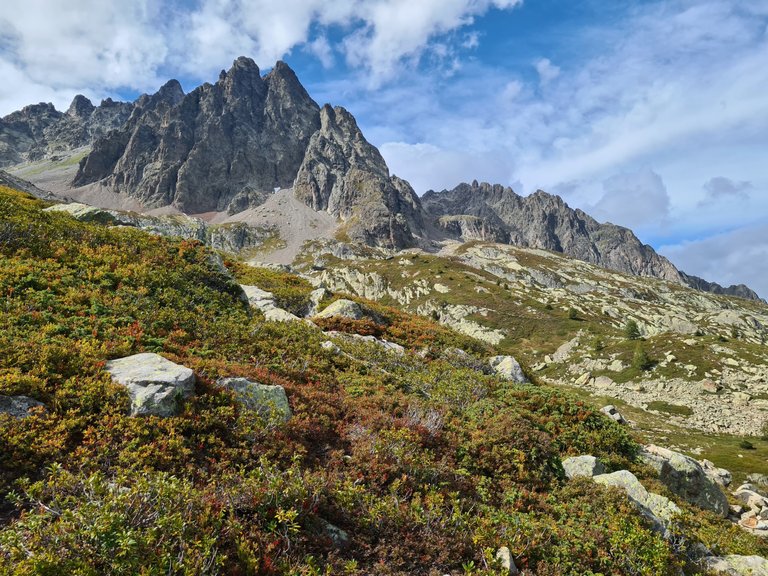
(427, 464)
(536, 329)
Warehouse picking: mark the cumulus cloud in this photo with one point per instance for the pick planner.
(734, 257)
(638, 200)
(106, 46)
(722, 188)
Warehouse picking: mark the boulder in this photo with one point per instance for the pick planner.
(342, 309)
(18, 406)
(686, 478)
(751, 498)
(385, 344)
(508, 368)
(738, 565)
(759, 479)
(658, 509)
(504, 558)
(265, 399)
(84, 212)
(586, 465)
(265, 301)
(156, 385)
(612, 413)
(720, 476)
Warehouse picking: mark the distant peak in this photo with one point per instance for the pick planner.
(81, 107)
(243, 63)
(171, 91)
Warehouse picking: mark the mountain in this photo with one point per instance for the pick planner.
(224, 149)
(495, 213)
(40, 131)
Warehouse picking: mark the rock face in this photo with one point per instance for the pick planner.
(40, 131)
(495, 213)
(262, 398)
(739, 290)
(222, 146)
(18, 406)
(346, 176)
(545, 221)
(686, 478)
(156, 385)
(19, 184)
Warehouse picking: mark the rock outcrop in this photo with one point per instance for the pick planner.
(268, 400)
(346, 176)
(156, 385)
(40, 131)
(658, 509)
(686, 478)
(586, 466)
(222, 146)
(18, 406)
(542, 220)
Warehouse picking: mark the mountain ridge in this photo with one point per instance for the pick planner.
(226, 147)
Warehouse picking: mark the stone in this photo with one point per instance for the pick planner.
(315, 297)
(720, 475)
(616, 366)
(386, 345)
(741, 397)
(583, 379)
(156, 385)
(586, 465)
(267, 400)
(710, 387)
(265, 301)
(504, 558)
(612, 413)
(686, 478)
(342, 309)
(657, 508)
(734, 565)
(18, 406)
(751, 498)
(330, 346)
(604, 382)
(508, 369)
(84, 212)
(759, 479)
(339, 537)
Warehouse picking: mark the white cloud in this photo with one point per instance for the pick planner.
(638, 200)
(546, 70)
(103, 46)
(734, 257)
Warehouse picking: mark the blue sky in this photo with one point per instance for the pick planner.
(650, 114)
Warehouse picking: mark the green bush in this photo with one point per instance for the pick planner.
(631, 330)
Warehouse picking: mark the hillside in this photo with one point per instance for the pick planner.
(392, 443)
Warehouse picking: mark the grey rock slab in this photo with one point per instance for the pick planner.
(508, 368)
(586, 465)
(739, 565)
(267, 400)
(655, 507)
(612, 413)
(686, 478)
(18, 406)
(155, 384)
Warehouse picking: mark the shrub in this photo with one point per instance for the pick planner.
(631, 330)
(640, 359)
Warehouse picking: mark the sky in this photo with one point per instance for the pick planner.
(651, 114)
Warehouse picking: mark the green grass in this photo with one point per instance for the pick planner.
(667, 408)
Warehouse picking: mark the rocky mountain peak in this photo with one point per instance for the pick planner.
(81, 107)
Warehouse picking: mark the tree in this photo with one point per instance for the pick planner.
(640, 359)
(631, 330)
